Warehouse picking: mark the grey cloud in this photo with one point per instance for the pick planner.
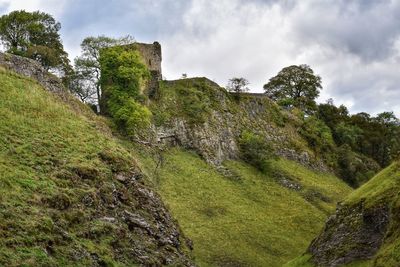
(372, 90)
(142, 17)
(364, 28)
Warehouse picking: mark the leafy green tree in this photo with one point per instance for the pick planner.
(387, 119)
(87, 65)
(379, 138)
(295, 86)
(331, 114)
(390, 130)
(238, 86)
(123, 74)
(34, 35)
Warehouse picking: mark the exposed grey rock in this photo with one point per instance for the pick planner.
(290, 184)
(135, 220)
(353, 233)
(108, 219)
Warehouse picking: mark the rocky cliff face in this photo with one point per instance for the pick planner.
(216, 137)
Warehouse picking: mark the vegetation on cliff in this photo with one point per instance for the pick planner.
(248, 176)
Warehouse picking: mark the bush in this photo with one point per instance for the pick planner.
(131, 116)
(255, 150)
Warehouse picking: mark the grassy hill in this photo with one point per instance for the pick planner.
(375, 214)
(239, 216)
(70, 195)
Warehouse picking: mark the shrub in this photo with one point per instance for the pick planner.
(255, 150)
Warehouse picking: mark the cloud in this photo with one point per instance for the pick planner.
(353, 45)
(364, 28)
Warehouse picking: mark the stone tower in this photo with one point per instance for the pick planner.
(151, 53)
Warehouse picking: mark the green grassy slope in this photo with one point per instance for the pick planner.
(60, 204)
(381, 191)
(245, 218)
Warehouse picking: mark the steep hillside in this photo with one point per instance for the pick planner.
(238, 216)
(70, 195)
(365, 229)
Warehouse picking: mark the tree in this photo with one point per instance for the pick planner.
(34, 35)
(237, 86)
(390, 131)
(87, 65)
(295, 86)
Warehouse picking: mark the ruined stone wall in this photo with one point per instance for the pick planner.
(151, 54)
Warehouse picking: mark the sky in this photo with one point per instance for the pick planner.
(353, 45)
